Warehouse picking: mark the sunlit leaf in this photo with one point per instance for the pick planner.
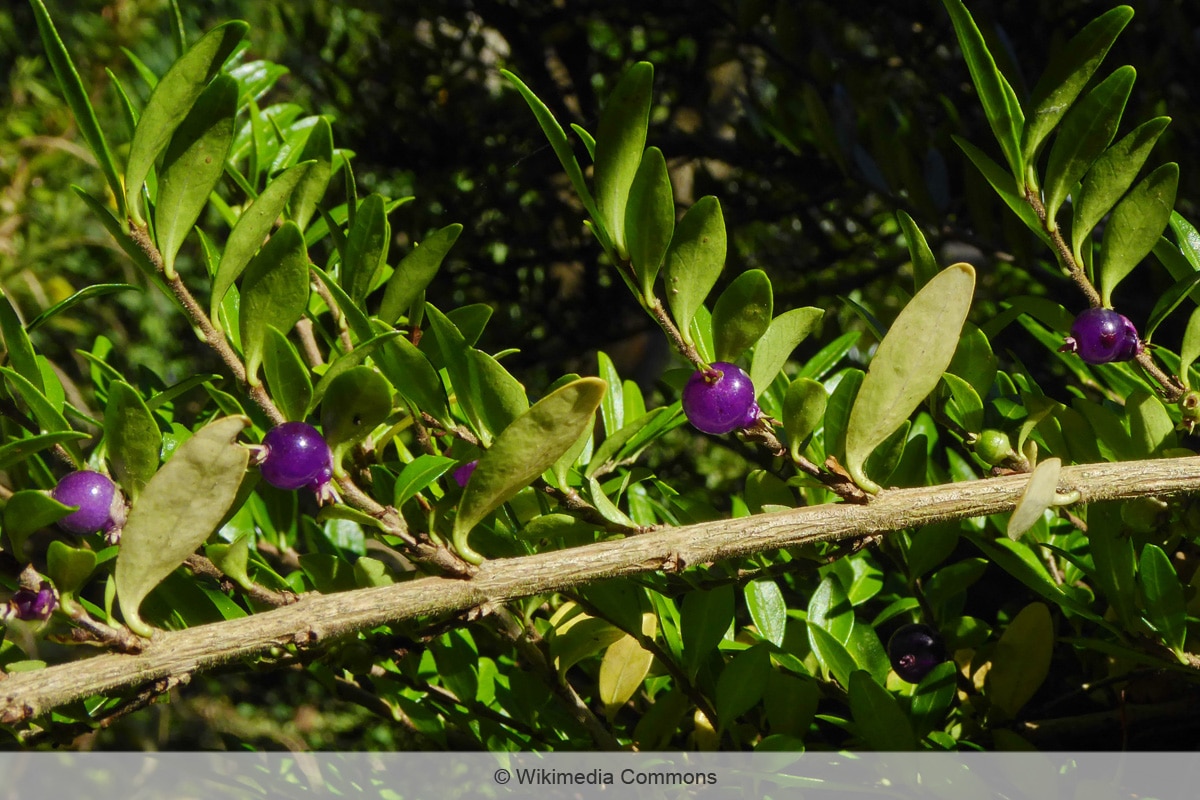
(366, 248)
(768, 609)
(776, 346)
(274, 293)
(287, 376)
(923, 262)
(649, 218)
(694, 261)
(620, 140)
(1135, 227)
(415, 272)
(1037, 497)
(355, 402)
(742, 314)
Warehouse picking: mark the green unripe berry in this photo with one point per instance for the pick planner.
(994, 447)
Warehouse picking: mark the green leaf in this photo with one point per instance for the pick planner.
(1110, 177)
(287, 376)
(923, 262)
(803, 409)
(1037, 497)
(170, 102)
(775, 347)
(497, 395)
(309, 191)
(126, 243)
(964, 406)
(1165, 606)
(69, 567)
(27, 511)
(179, 508)
(193, 163)
(366, 248)
(415, 271)
(933, 697)
(134, 440)
(274, 293)
(422, 471)
(1086, 131)
(1189, 350)
(831, 654)
(348, 360)
(1067, 74)
(355, 403)
(20, 350)
(829, 608)
(523, 451)
(742, 314)
(1150, 426)
(878, 719)
(1021, 660)
(233, 559)
(77, 100)
(252, 227)
(837, 412)
(1135, 227)
(694, 261)
(624, 667)
(704, 619)
(86, 293)
(997, 96)
(741, 683)
(1005, 186)
(411, 374)
(49, 418)
(620, 140)
(15, 452)
(768, 610)
(908, 364)
(1022, 563)
(649, 219)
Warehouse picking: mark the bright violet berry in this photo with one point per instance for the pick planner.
(32, 604)
(101, 507)
(462, 474)
(1101, 336)
(914, 650)
(294, 455)
(720, 399)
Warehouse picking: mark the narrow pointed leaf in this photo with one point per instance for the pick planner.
(741, 684)
(318, 148)
(878, 718)
(86, 293)
(1165, 606)
(413, 377)
(1086, 132)
(620, 140)
(694, 261)
(524, 450)
(775, 346)
(274, 293)
(1005, 186)
(649, 219)
(366, 246)
(1110, 177)
(1135, 227)
(356, 320)
(134, 440)
(742, 314)
(179, 508)
(287, 376)
(349, 360)
(15, 452)
(422, 471)
(499, 397)
(908, 364)
(170, 102)
(924, 264)
(48, 417)
(1037, 497)
(251, 230)
(415, 272)
(27, 511)
(193, 163)
(16, 341)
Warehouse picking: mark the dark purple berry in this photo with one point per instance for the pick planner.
(1101, 336)
(462, 474)
(100, 506)
(720, 399)
(914, 650)
(295, 455)
(31, 604)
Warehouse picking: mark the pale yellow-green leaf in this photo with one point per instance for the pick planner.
(625, 665)
(1038, 496)
(1021, 659)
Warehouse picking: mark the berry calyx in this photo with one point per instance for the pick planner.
(462, 473)
(1101, 336)
(295, 455)
(720, 399)
(914, 650)
(31, 604)
(100, 506)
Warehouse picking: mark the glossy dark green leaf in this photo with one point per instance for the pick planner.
(878, 718)
(829, 608)
(934, 696)
(1110, 177)
(422, 471)
(829, 356)
(1151, 429)
(964, 406)
(411, 374)
(1005, 186)
(252, 228)
(1037, 497)
(1169, 300)
(620, 140)
(193, 163)
(1018, 560)
(69, 567)
(354, 403)
(170, 102)
(356, 320)
(834, 659)
(741, 684)
(1189, 350)
(233, 559)
(1021, 660)
(923, 262)
(287, 376)
(704, 618)
(775, 347)
(803, 409)
(49, 418)
(1165, 606)
(649, 219)
(16, 341)
(694, 261)
(1135, 227)
(86, 293)
(274, 293)
(415, 271)
(179, 508)
(742, 314)
(498, 396)
(837, 412)
(908, 364)
(366, 248)
(1086, 131)
(768, 609)
(997, 96)
(523, 451)
(1067, 74)
(77, 100)
(318, 148)
(612, 408)
(27, 511)
(134, 440)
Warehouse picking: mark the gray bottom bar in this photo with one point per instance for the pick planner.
(500, 776)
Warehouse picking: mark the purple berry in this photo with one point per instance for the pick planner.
(295, 455)
(462, 474)
(31, 604)
(1101, 336)
(100, 506)
(914, 650)
(720, 399)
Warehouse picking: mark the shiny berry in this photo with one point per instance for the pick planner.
(720, 399)
(914, 650)
(100, 505)
(462, 474)
(294, 456)
(1101, 336)
(994, 446)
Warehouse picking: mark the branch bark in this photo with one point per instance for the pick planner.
(316, 619)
